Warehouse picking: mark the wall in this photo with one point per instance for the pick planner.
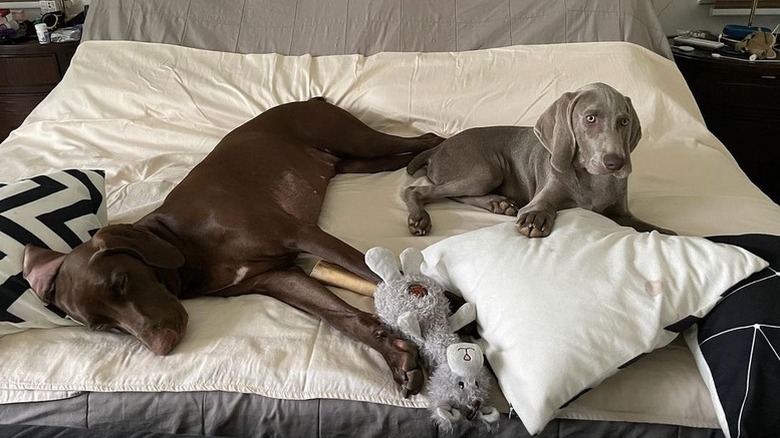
(72, 8)
(678, 15)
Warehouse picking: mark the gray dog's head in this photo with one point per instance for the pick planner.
(594, 128)
(121, 279)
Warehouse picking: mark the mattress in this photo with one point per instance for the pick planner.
(148, 121)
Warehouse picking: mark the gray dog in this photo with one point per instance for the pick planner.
(577, 155)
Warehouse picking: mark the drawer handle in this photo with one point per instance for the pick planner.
(768, 77)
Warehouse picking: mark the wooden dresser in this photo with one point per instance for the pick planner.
(740, 102)
(28, 72)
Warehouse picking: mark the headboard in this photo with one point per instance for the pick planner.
(295, 27)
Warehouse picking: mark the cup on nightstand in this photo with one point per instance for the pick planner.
(43, 33)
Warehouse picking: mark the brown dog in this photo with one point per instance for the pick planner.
(234, 226)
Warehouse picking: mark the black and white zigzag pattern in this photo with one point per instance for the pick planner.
(56, 211)
(740, 343)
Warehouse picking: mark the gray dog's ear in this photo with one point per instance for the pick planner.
(40, 269)
(636, 126)
(153, 250)
(555, 132)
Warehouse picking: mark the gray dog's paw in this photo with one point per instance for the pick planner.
(503, 206)
(535, 223)
(419, 226)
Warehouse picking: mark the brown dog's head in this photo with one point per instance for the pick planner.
(120, 279)
(594, 128)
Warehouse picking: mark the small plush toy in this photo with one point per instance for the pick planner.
(759, 43)
(415, 306)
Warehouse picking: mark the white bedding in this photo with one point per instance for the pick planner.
(147, 113)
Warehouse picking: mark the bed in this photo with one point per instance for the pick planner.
(156, 84)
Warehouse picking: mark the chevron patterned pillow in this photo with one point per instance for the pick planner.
(56, 211)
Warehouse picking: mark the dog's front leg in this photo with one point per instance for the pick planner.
(640, 225)
(292, 286)
(623, 216)
(536, 218)
(536, 222)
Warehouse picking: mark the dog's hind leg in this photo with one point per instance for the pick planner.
(292, 286)
(342, 134)
(415, 197)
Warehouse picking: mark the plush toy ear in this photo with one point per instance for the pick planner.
(40, 268)
(555, 132)
(409, 323)
(383, 262)
(153, 250)
(636, 126)
(463, 316)
(411, 260)
(771, 40)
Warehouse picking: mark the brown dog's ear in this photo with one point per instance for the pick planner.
(40, 269)
(153, 250)
(636, 126)
(555, 132)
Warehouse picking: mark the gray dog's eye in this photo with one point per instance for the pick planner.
(624, 122)
(590, 118)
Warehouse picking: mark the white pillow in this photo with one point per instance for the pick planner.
(560, 314)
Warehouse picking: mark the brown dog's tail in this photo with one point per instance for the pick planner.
(419, 161)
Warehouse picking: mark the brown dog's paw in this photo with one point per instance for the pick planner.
(535, 224)
(402, 358)
(419, 226)
(413, 381)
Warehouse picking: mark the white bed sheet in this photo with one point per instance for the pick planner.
(147, 113)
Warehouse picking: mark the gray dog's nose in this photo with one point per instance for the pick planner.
(613, 162)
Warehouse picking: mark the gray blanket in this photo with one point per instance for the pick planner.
(224, 414)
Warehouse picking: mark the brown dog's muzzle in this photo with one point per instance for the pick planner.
(162, 341)
(165, 333)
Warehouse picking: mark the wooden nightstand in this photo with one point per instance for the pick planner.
(28, 72)
(740, 102)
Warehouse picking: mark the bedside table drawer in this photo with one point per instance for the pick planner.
(14, 108)
(20, 103)
(754, 91)
(35, 70)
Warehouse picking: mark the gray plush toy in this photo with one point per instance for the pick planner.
(415, 306)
